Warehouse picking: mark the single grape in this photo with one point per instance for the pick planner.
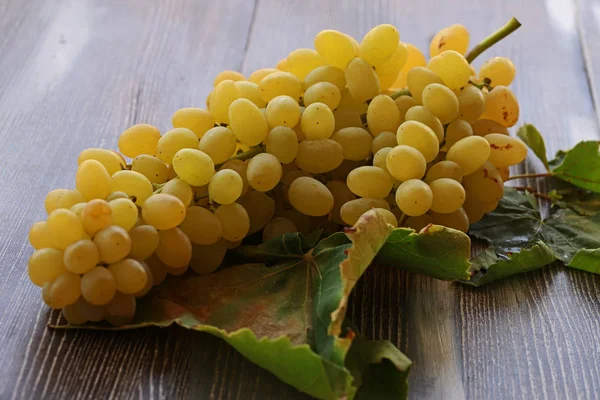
(323, 92)
(501, 106)
(469, 153)
(414, 197)
(39, 235)
(163, 211)
(264, 172)
(504, 173)
(278, 84)
(444, 169)
(53, 198)
(81, 257)
(369, 181)
(302, 61)
(414, 59)
(379, 44)
(441, 101)
(259, 74)
(454, 37)
(486, 183)
(471, 103)
(422, 114)
(201, 226)
(196, 120)
(206, 259)
(228, 75)
(234, 220)
(63, 291)
(319, 156)
(382, 115)
(283, 110)
(180, 189)
(361, 80)
(405, 103)
(64, 228)
(457, 220)
(310, 197)
(452, 67)
(353, 209)
(448, 195)
(151, 167)
(77, 209)
(225, 186)
(326, 73)
(124, 213)
(336, 48)
(317, 121)
(247, 122)
(240, 167)
(173, 141)
(98, 286)
(418, 79)
(260, 209)
(389, 70)
(505, 150)
(420, 136)
(194, 167)
(133, 183)
(121, 309)
(384, 139)
(96, 215)
(129, 275)
(92, 180)
(174, 247)
(45, 265)
(113, 244)
(356, 143)
(282, 65)
(483, 127)
(380, 159)
(282, 142)
(499, 71)
(249, 90)
(73, 314)
(223, 95)
(107, 158)
(457, 130)
(144, 241)
(139, 139)
(405, 163)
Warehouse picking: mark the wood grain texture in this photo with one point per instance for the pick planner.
(75, 73)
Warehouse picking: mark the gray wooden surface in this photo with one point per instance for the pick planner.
(75, 73)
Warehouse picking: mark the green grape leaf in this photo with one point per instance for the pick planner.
(582, 202)
(580, 166)
(533, 138)
(517, 224)
(279, 316)
(436, 251)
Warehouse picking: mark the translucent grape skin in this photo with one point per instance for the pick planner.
(139, 139)
(283, 111)
(356, 143)
(45, 265)
(454, 37)
(218, 143)
(317, 121)
(151, 167)
(382, 115)
(228, 75)
(405, 163)
(173, 141)
(95, 216)
(310, 197)
(452, 68)
(264, 172)
(469, 153)
(351, 211)
(206, 259)
(247, 121)
(457, 130)
(130, 276)
(336, 48)
(201, 226)
(113, 243)
(414, 197)
(235, 221)
(444, 169)
(422, 114)
(505, 151)
(225, 186)
(180, 189)
(418, 79)
(379, 44)
(196, 120)
(341, 195)
(193, 166)
(260, 209)
(369, 181)
(486, 183)
(249, 90)
(319, 156)
(81, 257)
(98, 286)
(121, 309)
(64, 290)
(64, 228)
(144, 241)
(302, 61)
(278, 227)
(384, 139)
(501, 106)
(499, 71)
(448, 195)
(259, 74)
(361, 80)
(174, 248)
(282, 142)
(223, 95)
(240, 167)
(278, 84)
(92, 180)
(404, 103)
(471, 103)
(483, 127)
(326, 73)
(124, 213)
(163, 211)
(420, 136)
(323, 92)
(133, 183)
(39, 235)
(441, 101)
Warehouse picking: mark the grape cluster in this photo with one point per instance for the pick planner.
(325, 136)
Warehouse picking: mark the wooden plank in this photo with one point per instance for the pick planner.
(588, 23)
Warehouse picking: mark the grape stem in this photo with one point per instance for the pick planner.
(524, 176)
(494, 38)
(403, 92)
(533, 192)
(246, 155)
(402, 220)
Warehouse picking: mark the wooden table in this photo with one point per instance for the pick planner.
(75, 73)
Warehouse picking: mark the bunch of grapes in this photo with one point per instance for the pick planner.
(312, 144)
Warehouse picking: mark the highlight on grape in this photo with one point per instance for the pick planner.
(327, 135)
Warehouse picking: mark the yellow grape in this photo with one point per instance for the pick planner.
(63, 291)
(39, 235)
(500, 71)
(250, 91)
(422, 114)
(224, 94)
(323, 92)
(282, 65)
(240, 167)
(504, 173)
(180, 189)
(454, 37)
(483, 127)
(441, 101)
(247, 122)
(163, 211)
(139, 139)
(405, 163)
(414, 59)
(278, 84)
(206, 259)
(174, 248)
(228, 75)
(109, 159)
(278, 227)
(394, 64)
(260, 209)
(505, 150)
(369, 181)
(380, 159)
(264, 172)
(489, 207)
(157, 268)
(283, 110)
(388, 216)
(486, 183)
(356, 143)
(448, 195)
(346, 119)
(225, 186)
(379, 44)
(201, 226)
(124, 213)
(282, 142)
(92, 180)
(317, 121)
(452, 67)
(144, 241)
(97, 215)
(53, 199)
(418, 223)
(501, 106)
(98, 286)
(319, 156)
(129, 275)
(341, 195)
(353, 209)
(349, 103)
(418, 79)
(121, 309)
(336, 48)
(310, 197)
(196, 120)
(151, 167)
(73, 314)
(326, 73)
(414, 197)
(193, 166)
(457, 220)
(78, 208)
(384, 139)
(361, 80)
(259, 74)
(471, 103)
(219, 143)
(149, 282)
(173, 141)
(133, 183)
(473, 208)
(382, 115)
(470, 153)
(113, 243)
(444, 169)
(420, 136)
(45, 265)
(64, 228)
(235, 221)
(404, 103)
(301, 61)
(457, 130)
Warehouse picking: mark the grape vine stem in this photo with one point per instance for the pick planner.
(524, 176)
(494, 38)
(403, 92)
(533, 191)
(246, 155)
